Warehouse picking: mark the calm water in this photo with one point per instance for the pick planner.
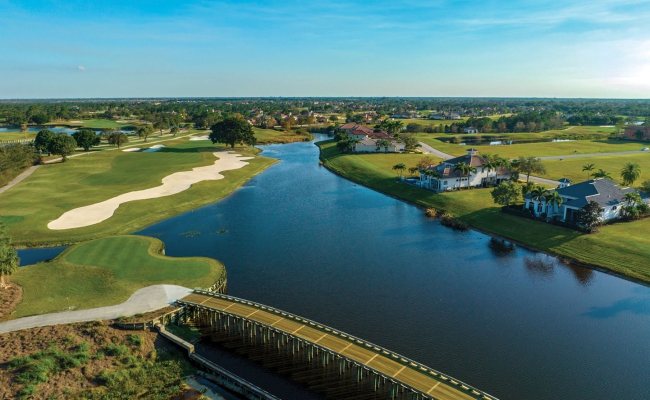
(511, 322)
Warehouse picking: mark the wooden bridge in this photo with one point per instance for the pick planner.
(386, 372)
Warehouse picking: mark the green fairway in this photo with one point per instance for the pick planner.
(96, 123)
(54, 189)
(572, 167)
(271, 136)
(622, 247)
(107, 272)
(4, 136)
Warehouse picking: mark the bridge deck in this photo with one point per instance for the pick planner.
(389, 364)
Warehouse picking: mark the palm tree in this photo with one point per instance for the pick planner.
(539, 193)
(630, 173)
(588, 167)
(553, 199)
(465, 169)
(602, 174)
(501, 162)
(632, 198)
(383, 143)
(24, 129)
(490, 165)
(399, 168)
(431, 173)
(413, 170)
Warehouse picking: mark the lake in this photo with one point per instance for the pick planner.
(512, 322)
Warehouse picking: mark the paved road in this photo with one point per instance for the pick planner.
(19, 178)
(147, 299)
(430, 150)
(619, 153)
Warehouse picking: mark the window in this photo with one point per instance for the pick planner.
(445, 183)
(539, 207)
(614, 208)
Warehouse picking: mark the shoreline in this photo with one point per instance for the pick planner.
(528, 246)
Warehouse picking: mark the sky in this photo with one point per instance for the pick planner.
(162, 48)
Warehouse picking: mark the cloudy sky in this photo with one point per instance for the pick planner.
(597, 48)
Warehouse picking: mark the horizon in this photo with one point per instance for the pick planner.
(442, 49)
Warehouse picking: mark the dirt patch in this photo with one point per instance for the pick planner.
(9, 299)
(146, 317)
(88, 360)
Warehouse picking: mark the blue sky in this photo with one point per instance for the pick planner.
(598, 48)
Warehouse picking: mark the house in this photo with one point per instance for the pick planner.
(369, 145)
(635, 132)
(443, 115)
(608, 194)
(446, 177)
(470, 129)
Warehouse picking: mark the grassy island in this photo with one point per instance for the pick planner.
(623, 248)
(107, 272)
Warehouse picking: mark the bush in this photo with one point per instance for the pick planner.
(135, 340)
(453, 222)
(431, 212)
(116, 350)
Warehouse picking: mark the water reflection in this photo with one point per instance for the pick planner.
(583, 276)
(500, 247)
(634, 305)
(540, 267)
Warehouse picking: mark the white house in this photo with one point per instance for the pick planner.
(470, 129)
(369, 145)
(446, 177)
(608, 194)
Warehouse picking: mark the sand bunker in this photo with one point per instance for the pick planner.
(132, 149)
(153, 148)
(171, 184)
(204, 137)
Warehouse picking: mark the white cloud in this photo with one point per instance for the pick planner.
(81, 68)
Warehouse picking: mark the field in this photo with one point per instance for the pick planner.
(91, 361)
(106, 272)
(622, 247)
(572, 167)
(56, 188)
(96, 123)
(271, 136)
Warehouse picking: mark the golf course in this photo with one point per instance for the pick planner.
(106, 272)
(54, 189)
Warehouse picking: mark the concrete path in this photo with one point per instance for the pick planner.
(430, 150)
(619, 153)
(147, 299)
(19, 178)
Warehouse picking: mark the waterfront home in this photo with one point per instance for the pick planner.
(369, 145)
(608, 194)
(445, 176)
(470, 129)
(636, 132)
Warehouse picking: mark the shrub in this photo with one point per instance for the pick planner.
(116, 350)
(453, 222)
(431, 212)
(135, 340)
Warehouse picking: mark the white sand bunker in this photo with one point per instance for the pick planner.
(171, 184)
(153, 148)
(204, 137)
(132, 149)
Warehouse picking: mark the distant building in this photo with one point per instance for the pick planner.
(470, 129)
(635, 132)
(369, 145)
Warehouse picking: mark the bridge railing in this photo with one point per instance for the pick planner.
(412, 364)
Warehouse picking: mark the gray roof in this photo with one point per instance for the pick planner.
(605, 192)
(565, 180)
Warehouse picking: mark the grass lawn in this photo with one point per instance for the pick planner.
(96, 123)
(271, 136)
(622, 247)
(106, 272)
(572, 167)
(4, 136)
(56, 188)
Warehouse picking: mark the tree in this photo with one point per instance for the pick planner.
(531, 165)
(174, 130)
(630, 173)
(465, 170)
(43, 139)
(588, 167)
(346, 144)
(589, 215)
(333, 118)
(506, 193)
(539, 193)
(9, 260)
(618, 128)
(62, 145)
(410, 142)
(645, 187)
(188, 127)
(413, 170)
(424, 163)
(160, 125)
(117, 139)
(86, 138)
(554, 200)
(24, 129)
(639, 134)
(399, 168)
(233, 130)
(144, 132)
(602, 174)
(383, 143)
(632, 198)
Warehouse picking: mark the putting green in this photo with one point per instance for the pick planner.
(106, 272)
